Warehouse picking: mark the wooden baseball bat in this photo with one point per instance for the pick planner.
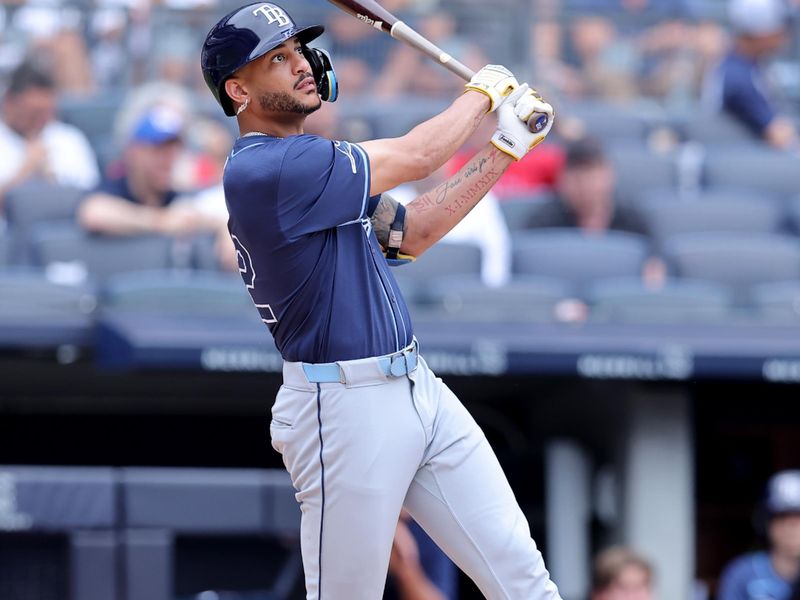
(373, 14)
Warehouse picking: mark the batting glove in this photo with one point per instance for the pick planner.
(523, 121)
(495, 81)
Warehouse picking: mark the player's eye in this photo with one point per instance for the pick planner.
(278, 58)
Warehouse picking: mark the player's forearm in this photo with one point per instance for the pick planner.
(425, 148)
(430, 216)
(438, 138)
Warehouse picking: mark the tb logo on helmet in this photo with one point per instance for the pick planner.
(274, 14)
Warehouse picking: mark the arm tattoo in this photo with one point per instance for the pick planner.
(383, 217)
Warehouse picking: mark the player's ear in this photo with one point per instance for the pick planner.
(236, 91)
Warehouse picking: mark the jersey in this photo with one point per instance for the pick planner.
(739, 88)
(751, 577)
(299, 219)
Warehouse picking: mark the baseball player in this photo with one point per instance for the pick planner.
(363, 425)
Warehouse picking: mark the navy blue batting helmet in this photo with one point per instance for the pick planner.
(241, 37)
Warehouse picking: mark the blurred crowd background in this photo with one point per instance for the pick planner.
(668, 192)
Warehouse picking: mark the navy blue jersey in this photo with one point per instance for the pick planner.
(744, 92)
(751, 577)
(299, 220)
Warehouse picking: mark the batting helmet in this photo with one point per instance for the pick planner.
(251, 31)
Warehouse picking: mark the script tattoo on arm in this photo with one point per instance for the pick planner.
(439, 210)
(383, 217)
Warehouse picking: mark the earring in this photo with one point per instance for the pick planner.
(243, 106)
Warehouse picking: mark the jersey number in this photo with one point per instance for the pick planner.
(249, 276)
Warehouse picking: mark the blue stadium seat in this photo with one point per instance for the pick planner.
(665, 218)
(37, 202)
(639, 170)
(28, 291)
(178, 292)
(629, 301)
(5, 247)
(734, 259)
(444, 259)
(793, 210)
(100, 256)
(613, 122)
(519, 210)
(777, 301)
(717, 128)
(576, 257)
(523, 299)
(753, 167)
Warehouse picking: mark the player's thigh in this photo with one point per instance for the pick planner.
(462, 498)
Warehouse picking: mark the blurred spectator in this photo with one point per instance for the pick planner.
(140, 201)
(621, 574)
(418, 569)
(585, 198)
(768, 575)
(33, 144)
(586, 194)
(740, 86)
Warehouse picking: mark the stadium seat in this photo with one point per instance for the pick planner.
(178, 292)
(37, 202)
(717, 129)
(93, 116)
(753, 167)
(28, 291)
(638, 170)
(444, 259)
(576, 257)
(523, 299)
(5, 247)
(734, 259)
(793, 211)
(628, 301)
(519, 210)
(612, 122)
(665, 218)
(777, 301)
(99, 256)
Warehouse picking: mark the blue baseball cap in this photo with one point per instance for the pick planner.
(158, 125)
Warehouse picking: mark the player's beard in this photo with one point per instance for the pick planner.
(283, 102)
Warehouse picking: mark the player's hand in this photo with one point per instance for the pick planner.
(523, 121)
(495, 81)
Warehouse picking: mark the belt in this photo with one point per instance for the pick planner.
(393, 365)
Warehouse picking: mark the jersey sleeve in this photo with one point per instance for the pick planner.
(733, 581)
(744, 99)
(323, 184)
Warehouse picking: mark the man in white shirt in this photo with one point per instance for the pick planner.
(33, 144)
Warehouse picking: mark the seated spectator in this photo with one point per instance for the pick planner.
(739, 86)
(33, 144)
(621, 574)
(585, 194)
(418, 569)
(585, 199)
(769, 574)
(140, 201)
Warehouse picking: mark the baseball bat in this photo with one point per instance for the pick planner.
(373, 14)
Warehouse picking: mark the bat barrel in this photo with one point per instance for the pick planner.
(401, 31)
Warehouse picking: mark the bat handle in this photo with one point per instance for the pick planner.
(404, 33)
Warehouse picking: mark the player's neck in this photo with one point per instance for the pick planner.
(271, 127)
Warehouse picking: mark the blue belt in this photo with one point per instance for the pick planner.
(393, 365)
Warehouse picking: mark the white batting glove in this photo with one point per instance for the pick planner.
(523, 121)
(495, 81)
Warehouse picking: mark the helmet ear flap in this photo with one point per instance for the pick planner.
(324, 75)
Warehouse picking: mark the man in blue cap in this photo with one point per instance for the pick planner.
(768, 575)
(139, 200)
